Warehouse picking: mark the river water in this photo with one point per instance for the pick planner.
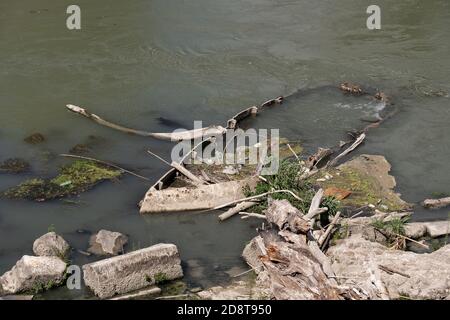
(138, 60)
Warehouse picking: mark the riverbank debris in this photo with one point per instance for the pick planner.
(14, 165)
(72, 179)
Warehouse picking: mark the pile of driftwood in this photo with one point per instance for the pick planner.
(289, 257)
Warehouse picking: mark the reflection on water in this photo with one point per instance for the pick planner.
(137, 62)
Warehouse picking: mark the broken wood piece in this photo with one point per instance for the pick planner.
(294, 273)
(392, 271)
(205, 176)
(324, 237)
(314, 160)
(140, 294)
(286, 217)
(270, 102)
(354, 145)
(436, 203)
(231, 124)
(257, 197)
(173, 136)
(196, 180)
(252, 214)
(314, 213)
(238, 208)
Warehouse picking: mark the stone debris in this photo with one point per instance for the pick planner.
(33, 274)
(133, 271)
(107, 243)
(51, 244)
(414, 276)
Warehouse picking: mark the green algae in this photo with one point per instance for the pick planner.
(72, 179)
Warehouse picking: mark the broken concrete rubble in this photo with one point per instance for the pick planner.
(51, 244)
(133, 271)
(414, 276)
(107, 243)
(33, 274)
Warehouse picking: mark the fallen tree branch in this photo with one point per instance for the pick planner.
(196, 180)
(252, 214)
(106, 164)
(257, 197)
(174, 136)
(355, 144)
(324, 237)
(238, 208)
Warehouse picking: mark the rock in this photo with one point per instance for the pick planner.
(133, 271)
(437, 229)
(33, 273)
(415, 230)
(51, 244)
(436, 203)
(421, 276)
(372, 234)
(107, 243)
(367, 178)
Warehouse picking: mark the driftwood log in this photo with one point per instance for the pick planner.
(291, 267)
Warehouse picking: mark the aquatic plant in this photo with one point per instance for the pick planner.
(288, 178)
(73, 179)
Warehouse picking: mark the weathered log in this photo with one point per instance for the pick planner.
(324, 237)
(295, 274)
(354, 145)
(316, 158)
(287, 217)
(258, 197)
(196, 180)
(239, 207)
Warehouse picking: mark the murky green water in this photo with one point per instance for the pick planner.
(135, 61)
